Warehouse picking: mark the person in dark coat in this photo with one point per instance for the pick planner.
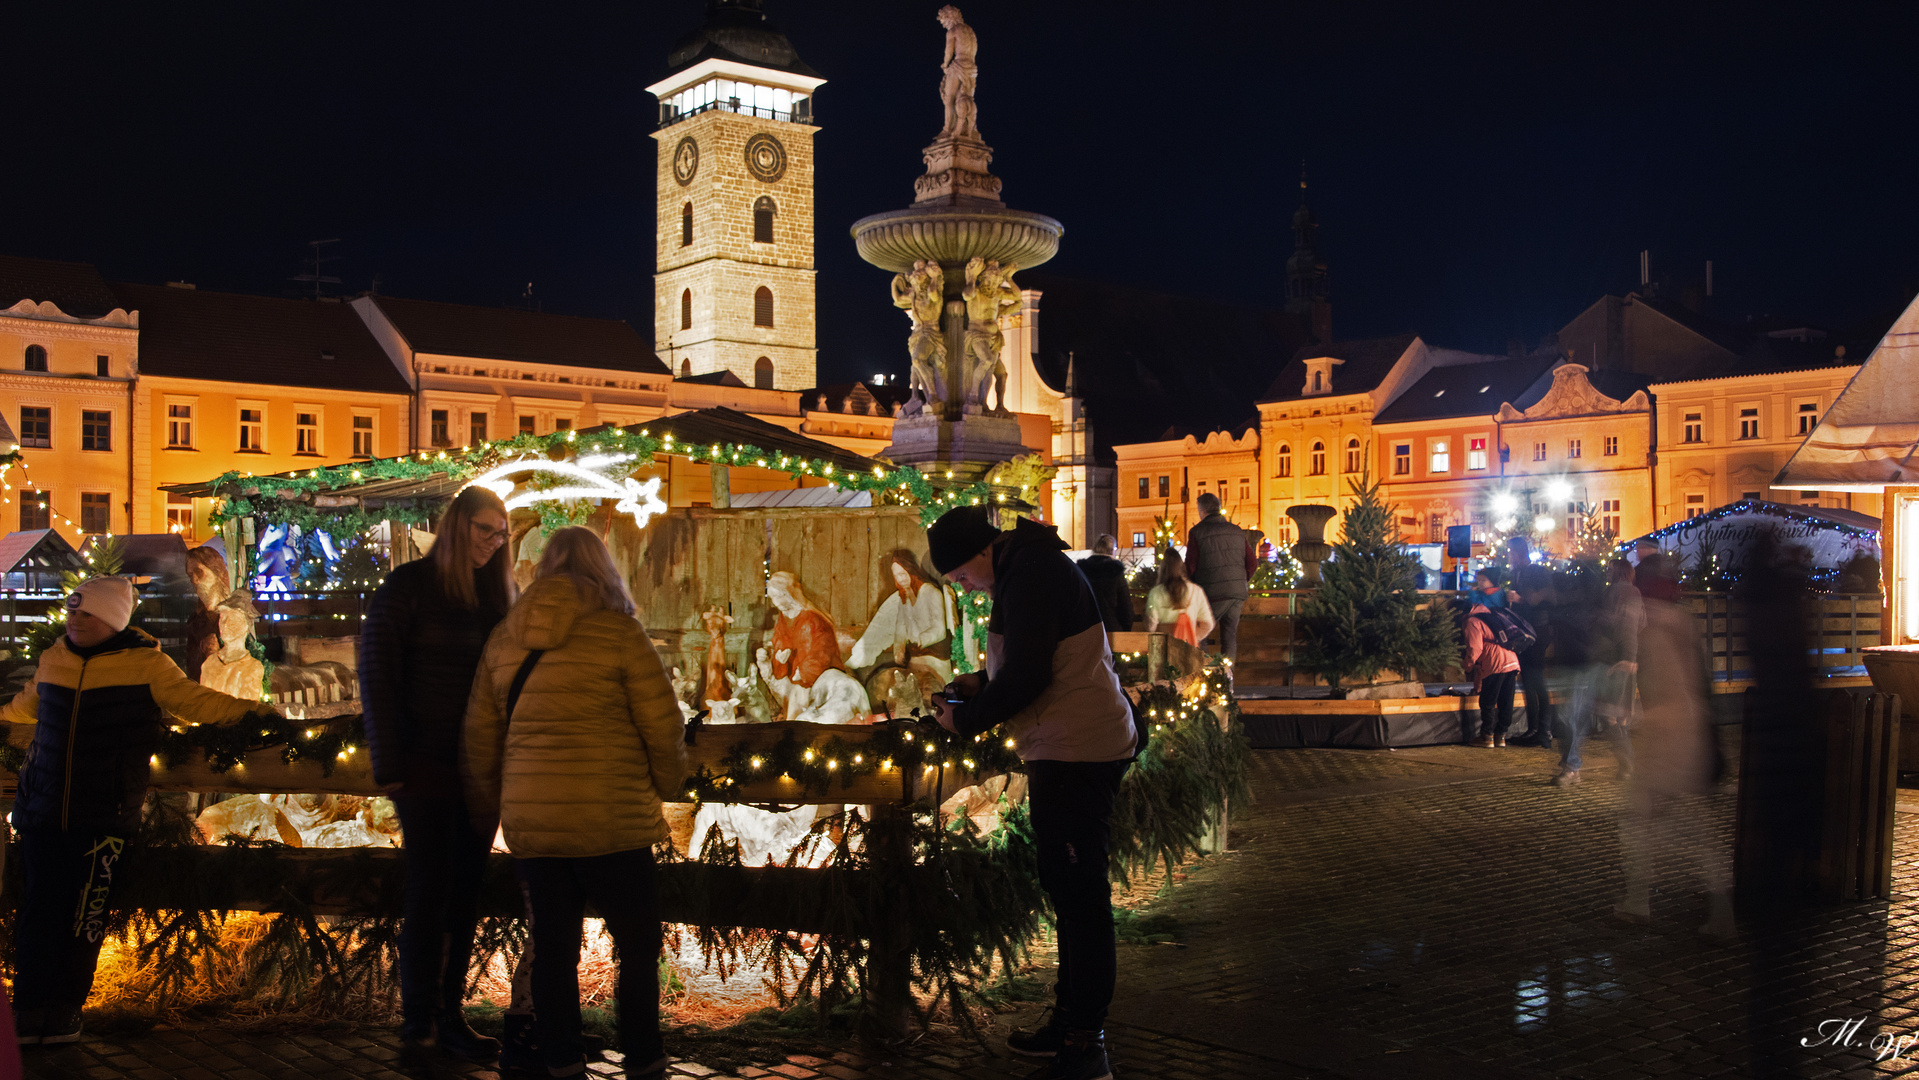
(1535, 604)
(425, 631)
(1050, 681)
(1107, 576)
(1219, 559)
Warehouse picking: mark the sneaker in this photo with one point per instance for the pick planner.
(1081, 1056)
(1043, 1041)
(28, 1025)
(1499, 740)
(1567, 777)
(1483, 740)
(458, 1039)
(62, 1026)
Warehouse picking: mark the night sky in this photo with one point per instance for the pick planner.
(1482, 173)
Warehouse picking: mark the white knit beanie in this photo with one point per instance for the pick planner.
(109, 599)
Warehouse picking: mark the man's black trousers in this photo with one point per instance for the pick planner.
(1072, 811)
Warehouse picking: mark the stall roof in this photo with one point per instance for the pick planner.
(704, 427)
(37, 549)
(1869, 437)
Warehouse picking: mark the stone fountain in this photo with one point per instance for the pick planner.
(953, 254)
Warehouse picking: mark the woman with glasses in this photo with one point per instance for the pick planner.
(421, 643)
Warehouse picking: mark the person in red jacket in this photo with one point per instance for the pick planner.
(1494, 670)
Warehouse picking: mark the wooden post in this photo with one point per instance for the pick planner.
(1155, 657)
(889, 960)
(722, 480)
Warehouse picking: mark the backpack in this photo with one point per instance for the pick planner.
(1508, 629)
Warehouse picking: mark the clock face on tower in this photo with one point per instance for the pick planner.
(765, 157)
(686, 160)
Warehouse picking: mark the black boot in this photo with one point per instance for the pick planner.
(519, 1050)
(1082, 1056)
(458, 1039)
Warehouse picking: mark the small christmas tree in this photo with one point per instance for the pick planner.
(1365, 617)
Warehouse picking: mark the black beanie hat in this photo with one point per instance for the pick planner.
(958, 535)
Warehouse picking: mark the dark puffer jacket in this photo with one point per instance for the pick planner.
(418, 653)
(96, 716)
(1218, 559)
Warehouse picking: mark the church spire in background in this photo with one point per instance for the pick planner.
(1307, 293)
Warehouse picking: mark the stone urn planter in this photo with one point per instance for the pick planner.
(1895, 670)
(1312, 548)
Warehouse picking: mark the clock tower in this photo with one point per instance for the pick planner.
(733, 251)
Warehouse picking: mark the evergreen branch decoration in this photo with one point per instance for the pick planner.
(1367, 616)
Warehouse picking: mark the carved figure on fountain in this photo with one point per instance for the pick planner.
(960, 76)
(989, 288)
(921, 292)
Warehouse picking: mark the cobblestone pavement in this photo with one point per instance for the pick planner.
(1441, 912)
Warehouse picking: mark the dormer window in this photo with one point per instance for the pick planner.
(1319, 375)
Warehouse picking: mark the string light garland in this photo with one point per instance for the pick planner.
(911, 745)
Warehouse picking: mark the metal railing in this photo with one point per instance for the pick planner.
(803, 115)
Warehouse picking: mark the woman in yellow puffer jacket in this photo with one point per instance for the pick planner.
(574, 763)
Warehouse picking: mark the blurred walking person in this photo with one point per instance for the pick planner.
(573, 742)
(1536, 604)
(1603, 692)
(1494, 670)
(1176, 602)
(1676, 755)
(421, 643)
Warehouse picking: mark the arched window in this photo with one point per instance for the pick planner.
(686, 225)
(686, 309)
(686, 369)
(1285, 461)
(1352, 455)
(763, 373)
(762, 306)
(36, 358)
(763, 220)
(1316, 382)
(1319, 459)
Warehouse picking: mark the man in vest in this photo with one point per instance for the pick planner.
(1220, 561)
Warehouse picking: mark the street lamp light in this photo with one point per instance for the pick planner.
(1559, 491)
(1543, 523)
(1505, 504)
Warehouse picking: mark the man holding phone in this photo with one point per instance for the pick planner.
(1050, 680)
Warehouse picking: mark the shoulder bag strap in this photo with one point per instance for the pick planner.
(519, 681)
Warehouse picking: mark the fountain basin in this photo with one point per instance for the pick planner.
(895, 240)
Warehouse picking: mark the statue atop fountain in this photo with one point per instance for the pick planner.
(953, 253)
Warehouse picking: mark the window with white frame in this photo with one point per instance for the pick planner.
(1693, 430)
(1352, 455)
(1609, 516)
(1402, 459)
(1475, 453)
(1749, 421)
(362, 435)
(1139, 539)
(180, 425)
(253, 428)
(1284, 467)
(1245, 488)
(1318, 460)
(1695, 503)
(1441, 456)
(1539, 451)
(1611, 446)
(1808, 413)
(1572, 448)
(306, 429)
(180, 515)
